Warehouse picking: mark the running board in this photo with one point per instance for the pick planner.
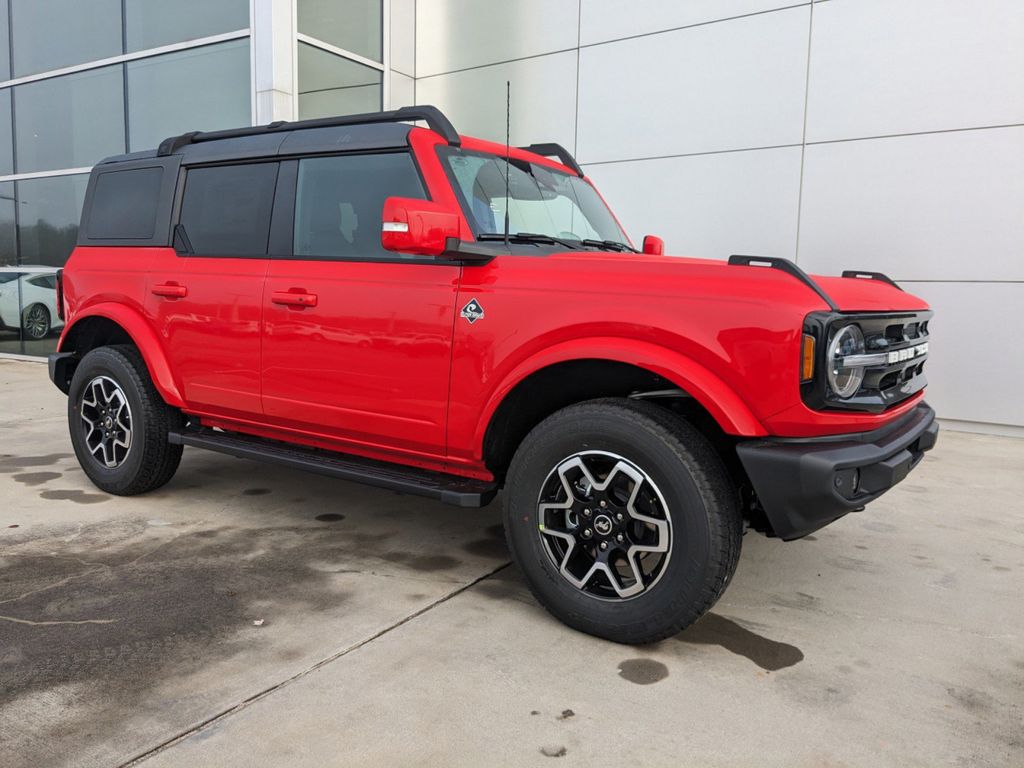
(460, 491)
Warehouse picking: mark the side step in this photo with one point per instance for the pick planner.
(460, 491)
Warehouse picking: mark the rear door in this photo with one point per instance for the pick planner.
(206, 296)
(357, 341)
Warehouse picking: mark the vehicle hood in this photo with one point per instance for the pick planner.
(669, 274)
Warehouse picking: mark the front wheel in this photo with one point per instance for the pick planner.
(119, 423)
(622, 519)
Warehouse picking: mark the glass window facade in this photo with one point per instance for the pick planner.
(199, 89)
(332, 85)
(48, 213)
(153, 23)
(5, 41)
(6, 135)
(51, 34)
(70, 121)
(8, 255)
(354, 25)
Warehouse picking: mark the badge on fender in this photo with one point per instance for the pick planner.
(473, 311)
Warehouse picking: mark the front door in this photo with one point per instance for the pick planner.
(357, 340)
(206, 296)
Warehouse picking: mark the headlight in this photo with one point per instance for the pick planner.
(845, 381)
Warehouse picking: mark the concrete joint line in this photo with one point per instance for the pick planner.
(299, 675)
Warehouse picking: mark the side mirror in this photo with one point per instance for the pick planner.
(419, 227)
(654, 245)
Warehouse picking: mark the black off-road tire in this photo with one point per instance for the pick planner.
(151, 460)
(702, 505)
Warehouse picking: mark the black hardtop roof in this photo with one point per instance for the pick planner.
(374, 130)
(367, 131)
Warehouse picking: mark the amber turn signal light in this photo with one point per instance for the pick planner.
(807, 358)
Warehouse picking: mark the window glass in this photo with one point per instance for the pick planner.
(202, 89)
(5, 43)
(541, 200)
(152, 23)
(7, 241)
(354, 25)
(340, 201)
(71, 121)
(48, 213)
(124, 204)
(330, 85)
(51, 34)
(10, 329)
(6, 146)
(226, 209)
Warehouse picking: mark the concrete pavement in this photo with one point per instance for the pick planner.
(249, 615)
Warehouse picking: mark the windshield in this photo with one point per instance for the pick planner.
(542, 201)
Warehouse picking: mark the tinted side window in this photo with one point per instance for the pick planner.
(339, 202)
(226, 209)
(124, 204)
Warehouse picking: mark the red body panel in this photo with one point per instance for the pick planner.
(373, 358)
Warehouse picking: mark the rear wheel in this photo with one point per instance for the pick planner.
(623, 520)
(119, 423)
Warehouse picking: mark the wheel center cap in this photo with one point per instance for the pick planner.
(603, 524)
(109, 423)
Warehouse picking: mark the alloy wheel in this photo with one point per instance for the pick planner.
(605, 525)
(107, 418)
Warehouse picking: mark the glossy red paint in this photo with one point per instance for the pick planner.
(373, 358)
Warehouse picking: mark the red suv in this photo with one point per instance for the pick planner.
(439, 315)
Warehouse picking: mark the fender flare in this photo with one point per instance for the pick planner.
(144, 338)
(718, 398)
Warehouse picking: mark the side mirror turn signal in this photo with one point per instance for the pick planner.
(419, 227)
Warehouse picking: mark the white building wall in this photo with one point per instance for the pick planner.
(872, 134)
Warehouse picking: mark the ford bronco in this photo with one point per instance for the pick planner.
(439, 315)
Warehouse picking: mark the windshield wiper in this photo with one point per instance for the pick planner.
(529, 237)
(612, 245)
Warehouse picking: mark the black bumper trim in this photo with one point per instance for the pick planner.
(61, 366)
(805, 484)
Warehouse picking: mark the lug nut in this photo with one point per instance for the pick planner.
(619, 517)
(586, 513)
(587, 533)
(604, 545)
(620, 538)
(604, 503)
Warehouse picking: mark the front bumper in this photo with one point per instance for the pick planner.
(804, 484)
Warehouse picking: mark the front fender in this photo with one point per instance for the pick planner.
(144, 338)
(724, 405)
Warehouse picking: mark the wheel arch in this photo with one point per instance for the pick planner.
(572, 372)
(106, 324)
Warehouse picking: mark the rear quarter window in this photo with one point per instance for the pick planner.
(125, 204)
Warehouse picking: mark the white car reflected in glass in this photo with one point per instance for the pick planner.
(28, 299)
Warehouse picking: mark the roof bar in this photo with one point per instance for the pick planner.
(857, 273)
(432, 116)
(785, 265)
(556, 150)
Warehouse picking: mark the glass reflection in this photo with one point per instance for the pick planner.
(354, 25)
(330, 85)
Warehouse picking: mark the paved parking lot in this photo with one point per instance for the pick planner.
(248, 615)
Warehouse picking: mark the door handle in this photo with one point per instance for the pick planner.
(170, 290)
(294, 298)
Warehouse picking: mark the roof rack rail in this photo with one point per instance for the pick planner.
(785, 265)
(881, 277)
(551, 149)
(432, 116)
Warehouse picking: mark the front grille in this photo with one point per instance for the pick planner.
(900, 337)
